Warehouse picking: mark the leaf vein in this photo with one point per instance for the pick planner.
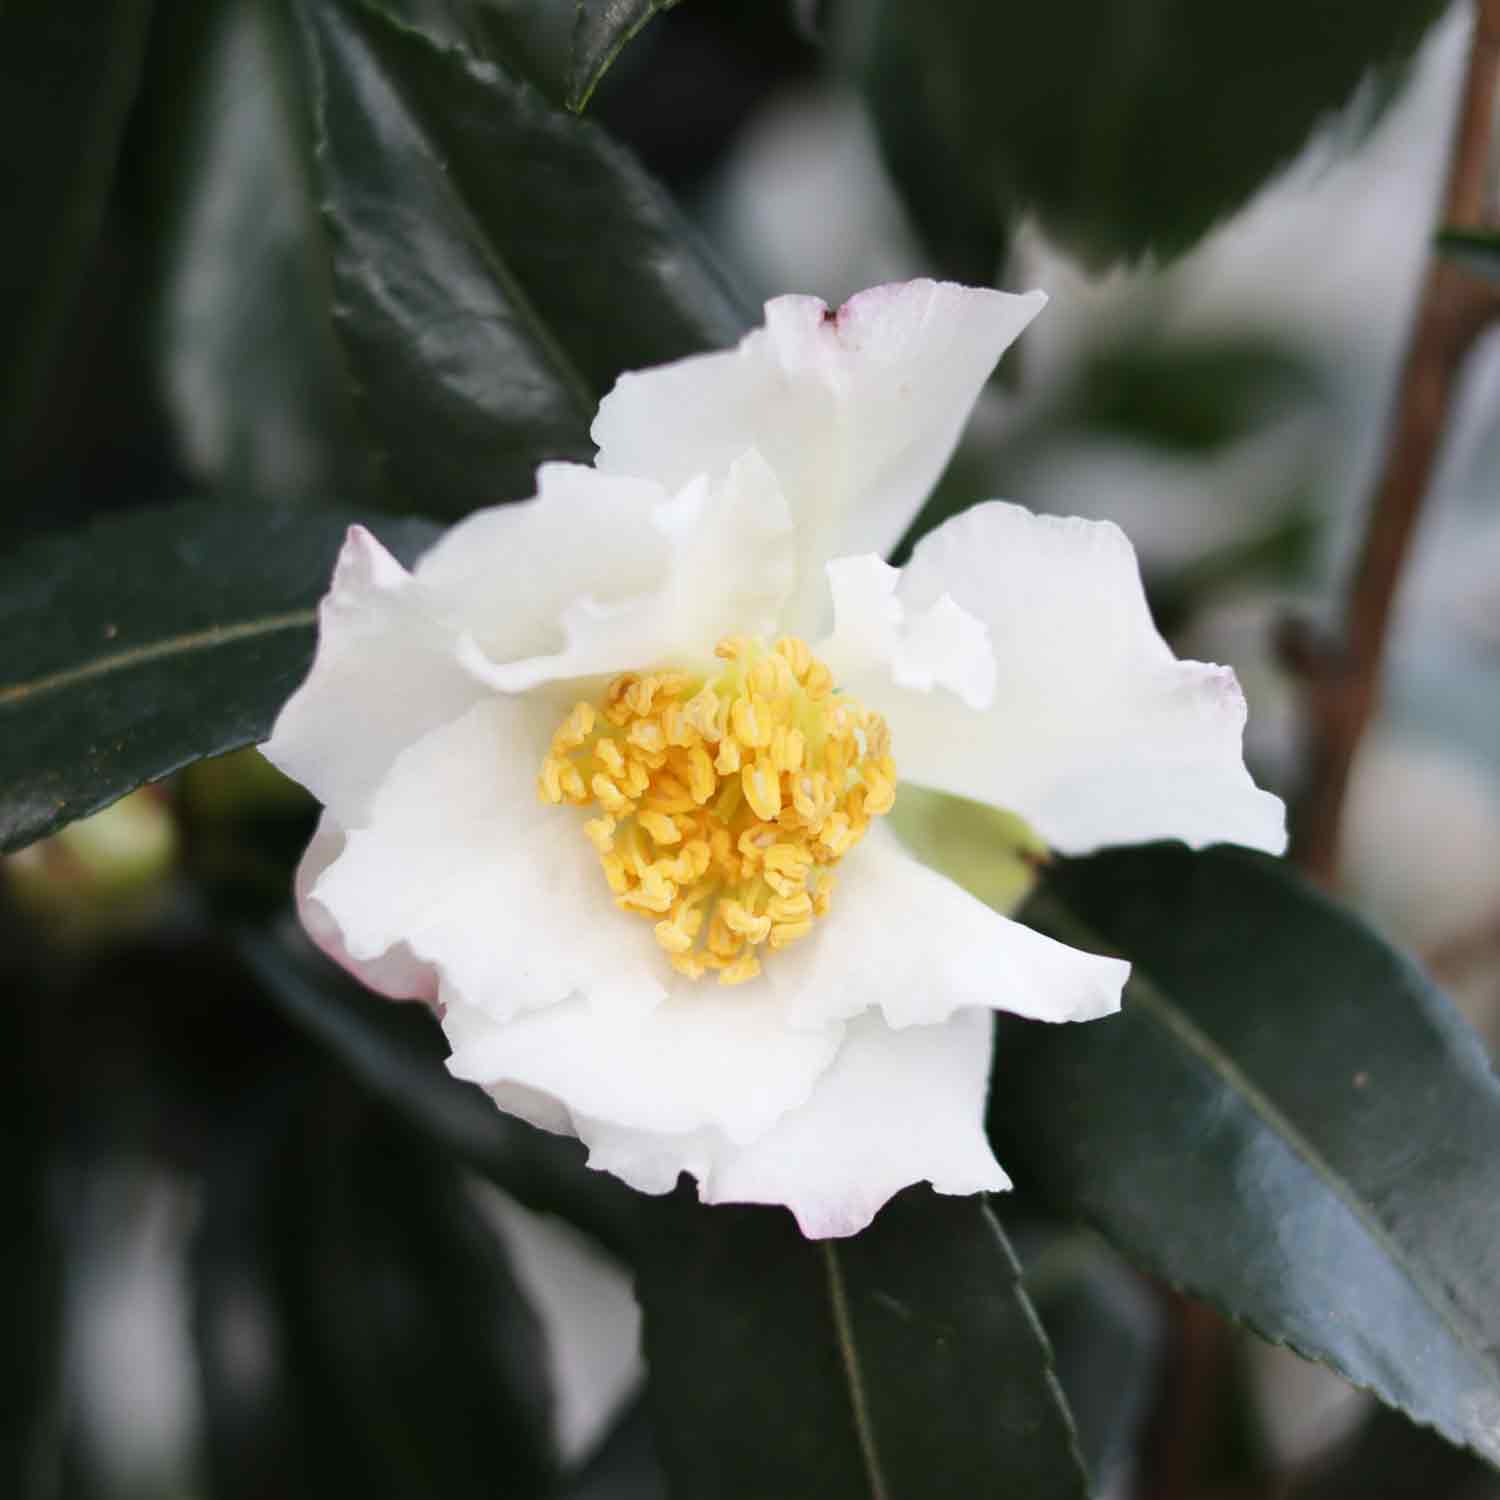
(1197, 1041)
(137, 656)
(848, 1352)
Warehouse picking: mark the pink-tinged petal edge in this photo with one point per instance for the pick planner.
(398, 974)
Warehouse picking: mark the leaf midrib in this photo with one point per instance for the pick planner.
(1175, 1021)
(210, 638)
(843, 1326)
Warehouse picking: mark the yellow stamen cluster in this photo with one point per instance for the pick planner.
(725, 800)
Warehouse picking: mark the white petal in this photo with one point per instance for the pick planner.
(894, 1109)
(940, 646)
(648, 1162)
(463, 1024)
(1097, 734)
(509, 573)
(729, 568)
(398, 973)
(897, 1107)
(499, 892)
(708, 1057)
(388, 669)
(856, 411)
(908, 940)
(531, 1105)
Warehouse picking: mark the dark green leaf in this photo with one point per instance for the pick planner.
(394, 1353)
(533, 38)
(601, 28)
(261, 1436)
(1287, 1119)
(922, 118)
(142, 644)
(903, 1362)
(496, 261)
(67, 77)
(251, 376)
(1478, 250)
(31, 1251)
(1127, 126)
(397, 1052)
(1104, 1326)
(406, 1310)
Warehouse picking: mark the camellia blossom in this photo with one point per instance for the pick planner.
(605, 777)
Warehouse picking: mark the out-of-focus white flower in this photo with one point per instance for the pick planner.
(803, 192)
(1409, 797)
(591, 1321)
(652, 954)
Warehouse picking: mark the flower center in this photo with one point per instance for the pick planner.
(725, 800)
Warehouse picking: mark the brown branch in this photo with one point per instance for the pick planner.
(1341, 678)
(1184, 1427)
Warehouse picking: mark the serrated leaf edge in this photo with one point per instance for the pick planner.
(1076, 932)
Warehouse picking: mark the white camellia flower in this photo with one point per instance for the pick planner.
(590, 791)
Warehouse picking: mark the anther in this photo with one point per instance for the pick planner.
(741, 970)
(660, 827)
(611, 799)
(600, 832)
(738, 918)
(762, 790)
(575, 729)
(724, 802)
(608, 754)
(784, 934)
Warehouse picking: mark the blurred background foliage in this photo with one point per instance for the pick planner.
(260, 1244)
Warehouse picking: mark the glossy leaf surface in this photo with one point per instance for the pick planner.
(68, 74)
(497, 262)
(904, 1362)
(251, 376)
(1127, 126)
(1286, 1119)
(139, 645)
